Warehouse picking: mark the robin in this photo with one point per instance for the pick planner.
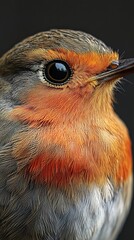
(65, 156)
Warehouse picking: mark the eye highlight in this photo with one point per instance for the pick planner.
(57, 72)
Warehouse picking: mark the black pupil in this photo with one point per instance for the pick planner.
(57, 72)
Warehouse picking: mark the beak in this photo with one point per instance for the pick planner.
(124, 68)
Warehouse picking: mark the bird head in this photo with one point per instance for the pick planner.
(62, 71)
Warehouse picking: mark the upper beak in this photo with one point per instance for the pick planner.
(125, 67)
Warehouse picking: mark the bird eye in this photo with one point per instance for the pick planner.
(57, 72)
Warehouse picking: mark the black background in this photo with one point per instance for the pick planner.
(110, 21)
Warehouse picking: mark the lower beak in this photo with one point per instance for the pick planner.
(125, 67)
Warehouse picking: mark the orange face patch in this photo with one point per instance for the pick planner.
(71, 125)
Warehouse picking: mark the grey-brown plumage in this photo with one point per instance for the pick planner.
(72, 40)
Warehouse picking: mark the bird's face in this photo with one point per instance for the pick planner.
(65, 82)
(55, 75)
